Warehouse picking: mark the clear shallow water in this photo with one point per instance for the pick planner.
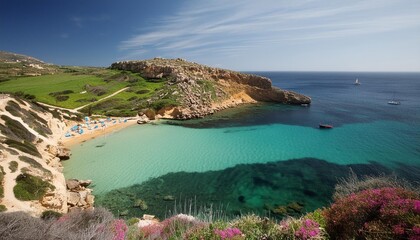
(367, 130)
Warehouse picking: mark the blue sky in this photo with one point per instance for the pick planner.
(237, 34)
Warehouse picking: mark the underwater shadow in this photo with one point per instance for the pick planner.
(276, 189)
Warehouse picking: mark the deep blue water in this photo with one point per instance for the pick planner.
(259, 157)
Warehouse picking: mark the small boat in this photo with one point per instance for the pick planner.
(325, 126)
(357, 82)
(304, 105)
(394, 102)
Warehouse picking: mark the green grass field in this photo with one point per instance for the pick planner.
(75, 87)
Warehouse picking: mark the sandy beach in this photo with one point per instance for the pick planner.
(91, 134)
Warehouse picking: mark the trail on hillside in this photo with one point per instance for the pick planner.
(81, 107)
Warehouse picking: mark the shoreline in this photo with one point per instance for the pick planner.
(92, 134)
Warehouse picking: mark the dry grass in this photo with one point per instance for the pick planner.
(94, 224)
(354, 184)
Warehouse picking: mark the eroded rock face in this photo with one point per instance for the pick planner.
(63, 153)
(78, 196)
(202, 90)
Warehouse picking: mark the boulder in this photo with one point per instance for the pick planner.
(73, 198)
(90, 199)
(72, 184)
(63, 153)
(168, 198)
(85, 183)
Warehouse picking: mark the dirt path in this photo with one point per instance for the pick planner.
(115, 93)
(75, 110)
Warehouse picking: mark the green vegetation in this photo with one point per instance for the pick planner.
(13, 166)
(30, 187)
(378, 213)
(45, 88)
(34, 164)
(72, 87)
(16, 130)
(50, 214)
(33, 120)
(3, 208)
(24, 146)
(208, 86)
(2, 173)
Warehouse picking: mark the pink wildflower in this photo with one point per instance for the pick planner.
(308, 230)
(398, 229)
(417, 206)
(228, 233)
(120, 229)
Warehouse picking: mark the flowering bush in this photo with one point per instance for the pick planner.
(229, 233)
(308, 230)
(176, 226)
(375, 213)
(120, 229)
(303, 228)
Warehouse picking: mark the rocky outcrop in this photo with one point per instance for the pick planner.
(201, 90)
(78, 195)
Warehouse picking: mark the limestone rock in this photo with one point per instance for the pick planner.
(85, 183)
(201, 90)
(73, 198)
(52, 201)
(63, 153)
(72, 184)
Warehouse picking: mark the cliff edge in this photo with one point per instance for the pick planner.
(194, 90)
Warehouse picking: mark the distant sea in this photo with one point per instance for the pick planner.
(257, 158)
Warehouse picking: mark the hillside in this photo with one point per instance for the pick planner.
(168, 88)
(193, 90)
(16, 65)
(31, 177)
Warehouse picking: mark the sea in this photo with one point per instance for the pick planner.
(267, 159)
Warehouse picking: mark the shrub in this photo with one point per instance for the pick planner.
(132, 221)
(2, 173)
(18, 130)
(354, 184)
(13, 108)
(150, 113)
(54, 94)
(308, 230)
(49, 214)
(175, 227)
(317, 216)
(24, 146)
(88, 224)
(161, 103)
(34, 163)
(29, 187)
(13, 165)
(62, 98)
(97, 90)
(255, 227)
(3, 208)
(229, 233)
(385, 213)
(143, 91)
(120, 229)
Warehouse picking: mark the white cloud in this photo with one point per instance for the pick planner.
(232, 26)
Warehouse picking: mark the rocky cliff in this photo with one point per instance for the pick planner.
(31, 177)
(196, 90)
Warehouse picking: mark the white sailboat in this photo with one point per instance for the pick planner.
(357, 82)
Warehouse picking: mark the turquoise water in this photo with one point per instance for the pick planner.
(261, 157)
(137, 153)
